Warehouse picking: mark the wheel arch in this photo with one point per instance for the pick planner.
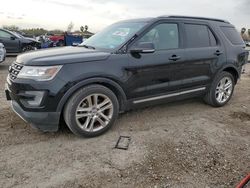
(234, 71)
(112, 85)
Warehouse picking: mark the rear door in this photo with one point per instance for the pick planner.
(10, 42)
(204, 54)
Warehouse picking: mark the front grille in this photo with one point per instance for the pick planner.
(14, 70)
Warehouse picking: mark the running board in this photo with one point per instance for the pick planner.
(169, 95)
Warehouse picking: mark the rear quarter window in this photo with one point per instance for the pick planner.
(232, 35)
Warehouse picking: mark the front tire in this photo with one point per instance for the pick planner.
(221, 90)
(27, 48)
(91, 111)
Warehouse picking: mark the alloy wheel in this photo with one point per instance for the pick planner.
(224, 89)
(94, 112)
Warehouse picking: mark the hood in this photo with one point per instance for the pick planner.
(30, 39)
(61, 55)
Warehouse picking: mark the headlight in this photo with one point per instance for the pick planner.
(42, 73)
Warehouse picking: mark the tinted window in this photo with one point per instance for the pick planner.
(163, 36)
(4, 34)
(197, 36)
(232, 35)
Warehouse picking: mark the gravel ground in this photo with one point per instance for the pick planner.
(180, 144)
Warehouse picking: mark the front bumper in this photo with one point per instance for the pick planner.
(34, 101)
(45, 121)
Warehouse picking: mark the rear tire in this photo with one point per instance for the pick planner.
(221, 90)
(91, 111)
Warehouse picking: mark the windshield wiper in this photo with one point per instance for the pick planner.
(87, 46)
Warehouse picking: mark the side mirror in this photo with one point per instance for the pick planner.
(143, 47)
(12, 38)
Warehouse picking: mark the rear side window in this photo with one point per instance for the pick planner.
(199, 36)
(232, 35)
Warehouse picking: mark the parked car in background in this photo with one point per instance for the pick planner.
(66, 40)
(129, 64)
(58, 40)
(16, 43)
(2, 52)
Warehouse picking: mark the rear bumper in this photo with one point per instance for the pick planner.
(44, 121)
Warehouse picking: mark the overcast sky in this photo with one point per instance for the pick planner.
(57, 14)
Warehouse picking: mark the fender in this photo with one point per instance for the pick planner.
(92, 81)
(232, 66)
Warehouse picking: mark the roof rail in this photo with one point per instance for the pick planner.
(194, 17)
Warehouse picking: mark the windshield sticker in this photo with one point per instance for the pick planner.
(121, 32)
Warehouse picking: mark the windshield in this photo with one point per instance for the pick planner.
(21, 36)
(113, 36)
(16, 34)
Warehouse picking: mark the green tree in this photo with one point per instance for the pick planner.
(82, 29)
(86, 27)
(11, 27)
(35, 31)
(56, 31)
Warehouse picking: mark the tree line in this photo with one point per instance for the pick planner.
(42, 31)
(32, 31)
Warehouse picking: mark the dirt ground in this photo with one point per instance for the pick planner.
(180, 144)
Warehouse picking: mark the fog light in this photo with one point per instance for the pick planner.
(32, 98)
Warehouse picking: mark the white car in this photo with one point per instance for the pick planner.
(2, 52)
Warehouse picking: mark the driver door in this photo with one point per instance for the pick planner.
(153, 74)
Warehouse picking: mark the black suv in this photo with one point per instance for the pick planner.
(129, 64)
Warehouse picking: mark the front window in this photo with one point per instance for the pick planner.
(114, 35)
(164, 36)
(4, 34)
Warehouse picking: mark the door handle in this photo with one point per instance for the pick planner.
(218, 52)
(174, 58)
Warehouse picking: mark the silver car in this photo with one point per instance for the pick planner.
(2, 52)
